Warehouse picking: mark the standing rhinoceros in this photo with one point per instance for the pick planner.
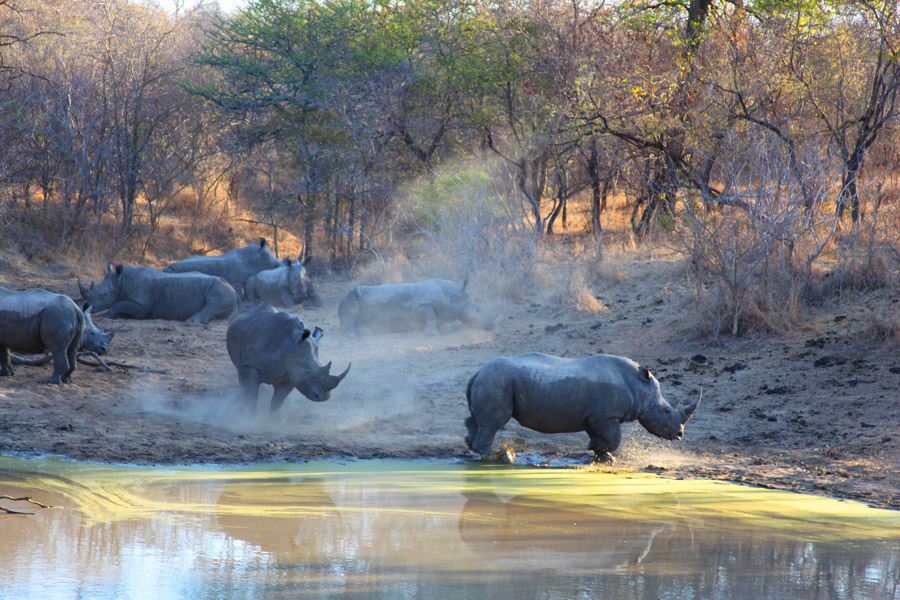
(145, 293)
(267, 346)
(550, 394)
(95, 339)
(285, 286)
(434, 305)
(36, 320)
(235, 266)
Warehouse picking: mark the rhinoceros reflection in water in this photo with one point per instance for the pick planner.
(297, 518)
(531, 532)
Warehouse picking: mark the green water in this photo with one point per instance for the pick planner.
(397, 529)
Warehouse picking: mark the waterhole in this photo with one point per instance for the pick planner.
(421, 530)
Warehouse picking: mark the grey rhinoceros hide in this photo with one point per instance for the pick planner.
(551, 394)
(268, 346)
(36, 320)
(95, 339)
(433, 306)
(285, 286)
(146, 293)
(235, 266)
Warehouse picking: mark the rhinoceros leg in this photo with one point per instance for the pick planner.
(428, 313)
(216, 306)
(127, 309)
(605, 434)
(472, 426)
(281, 392)
(5, 366)
(62, 373)
(249, 380)
(348, 312)
(71, 359)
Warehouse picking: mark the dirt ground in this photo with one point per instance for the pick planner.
(818, 412)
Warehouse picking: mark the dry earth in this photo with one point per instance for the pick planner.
(816, 412)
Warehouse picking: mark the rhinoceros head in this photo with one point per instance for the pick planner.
(104, 295)
(94, 338)
(300, 285)
(656, 414)
(473, 316)
(307, 374)
(260, 258)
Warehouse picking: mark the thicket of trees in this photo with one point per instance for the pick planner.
(756, 132)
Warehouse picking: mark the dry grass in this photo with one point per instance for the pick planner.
(493, 248)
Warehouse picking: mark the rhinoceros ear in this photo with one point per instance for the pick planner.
(645, 373)
(263, 243)
(109, 268)
(119, 269)
(317, 334)
(287, 261)
(305, 334)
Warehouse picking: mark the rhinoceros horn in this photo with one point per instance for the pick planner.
(332, 381)
(84, 291)
(688, 411)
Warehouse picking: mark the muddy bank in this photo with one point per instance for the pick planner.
(816, 413)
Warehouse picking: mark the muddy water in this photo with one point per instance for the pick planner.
(389, 529)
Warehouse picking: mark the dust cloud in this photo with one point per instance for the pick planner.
(390, 393)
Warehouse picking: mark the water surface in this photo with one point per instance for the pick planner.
(398, 529)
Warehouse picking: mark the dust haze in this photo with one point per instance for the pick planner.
(400, 382)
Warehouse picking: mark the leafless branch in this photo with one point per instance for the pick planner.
(10, 511)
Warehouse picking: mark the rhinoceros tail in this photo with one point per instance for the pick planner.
(469, 393)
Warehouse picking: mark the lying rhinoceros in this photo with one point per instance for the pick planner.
(235, 266)
(36, 320)
(145, 293)
(267, 346)
(550, 394)
(285, 286)
(434, 305)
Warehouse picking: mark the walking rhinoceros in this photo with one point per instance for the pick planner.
(95, 339)
(145, 293)
(550, 394)
(235, 266)
(267, 346)
(36, 320)
(434, 305)
(285, 286)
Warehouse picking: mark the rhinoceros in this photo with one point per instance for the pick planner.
(434, 305)
(145, 293)
(95, 339)
(235, 266)
(36, 320)
(551, 394)
(285, 286)
(268, 346)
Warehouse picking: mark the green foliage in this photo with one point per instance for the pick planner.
(449, 193)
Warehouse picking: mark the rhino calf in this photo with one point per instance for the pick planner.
(267, 346)
(434, 305)
(285, 286)
(550, 394)
(36, 320)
